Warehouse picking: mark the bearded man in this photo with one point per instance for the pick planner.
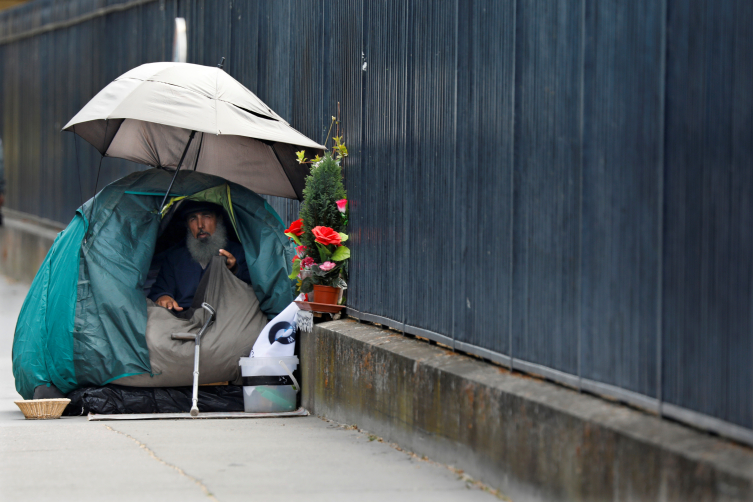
(184, 266)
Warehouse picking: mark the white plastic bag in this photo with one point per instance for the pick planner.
(278, 337)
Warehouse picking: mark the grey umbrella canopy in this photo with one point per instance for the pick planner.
(199, 117)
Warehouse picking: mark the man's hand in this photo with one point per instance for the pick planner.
(168, 302)
(231, 261)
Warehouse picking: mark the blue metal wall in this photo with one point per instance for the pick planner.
(564, 187)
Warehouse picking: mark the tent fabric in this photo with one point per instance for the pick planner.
(147, 115)
(50, 308)
(83, 322)
(238, 322)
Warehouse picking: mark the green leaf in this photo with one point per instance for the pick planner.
(324, 253)
(301, 159)
(294, 237)
(343, 237)
(323, 188)
(318, 271)
(341, 253)
(307, 286)
(296, 269)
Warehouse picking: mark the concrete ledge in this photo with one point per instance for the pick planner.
(24, 242)
(531, 439)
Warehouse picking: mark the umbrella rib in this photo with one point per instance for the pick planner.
(287, 177)
(96, 184)
(78, 170)
(216, 79)
(180, 163)
(70, 123)
(217, 98)
(201, 142)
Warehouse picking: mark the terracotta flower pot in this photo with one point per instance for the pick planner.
(326, 294)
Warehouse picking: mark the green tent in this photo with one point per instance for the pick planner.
(83, 322)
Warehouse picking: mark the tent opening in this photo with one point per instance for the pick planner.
(172, 234)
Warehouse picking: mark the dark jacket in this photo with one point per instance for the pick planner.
(180, 274)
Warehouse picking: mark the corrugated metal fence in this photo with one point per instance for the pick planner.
(561, 186)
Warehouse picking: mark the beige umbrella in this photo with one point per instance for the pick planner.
(173, 115)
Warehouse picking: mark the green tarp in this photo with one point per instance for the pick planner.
(84, 320)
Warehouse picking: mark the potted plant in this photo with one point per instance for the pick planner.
(321, 262)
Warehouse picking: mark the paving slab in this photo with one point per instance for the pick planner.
(302, 458)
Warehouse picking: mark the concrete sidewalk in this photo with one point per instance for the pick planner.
(304, 458)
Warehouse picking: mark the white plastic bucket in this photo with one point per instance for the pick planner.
(268, 384)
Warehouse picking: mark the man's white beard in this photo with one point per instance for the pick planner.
(203, 252)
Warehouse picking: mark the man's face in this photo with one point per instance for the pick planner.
(202, 224)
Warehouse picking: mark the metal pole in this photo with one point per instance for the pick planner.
(180, 163)
(195, 396)
(197, 348)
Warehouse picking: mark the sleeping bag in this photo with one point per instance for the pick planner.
(237, 325)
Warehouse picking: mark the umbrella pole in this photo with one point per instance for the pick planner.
(180, 163)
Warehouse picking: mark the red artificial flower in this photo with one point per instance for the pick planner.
(326, 236)
(296, 228)
(307, 262)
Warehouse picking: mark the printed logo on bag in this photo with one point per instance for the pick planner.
(282, 332)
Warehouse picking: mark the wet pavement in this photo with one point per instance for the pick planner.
(300, 458)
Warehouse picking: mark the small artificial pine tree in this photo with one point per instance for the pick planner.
(324, 187)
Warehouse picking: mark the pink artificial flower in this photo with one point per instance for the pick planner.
(327, 265)
(307, 262)
(341, 204)
(301, 251)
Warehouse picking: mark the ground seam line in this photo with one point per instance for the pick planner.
(171, 466)
(423, 458)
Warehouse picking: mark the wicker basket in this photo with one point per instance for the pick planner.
(42, 409)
